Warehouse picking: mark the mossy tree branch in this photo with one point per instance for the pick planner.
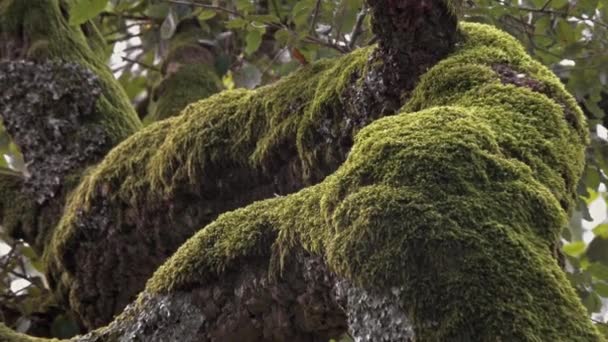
(218, 155)
(446, 215)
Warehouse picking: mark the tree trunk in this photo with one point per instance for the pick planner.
(438, 223)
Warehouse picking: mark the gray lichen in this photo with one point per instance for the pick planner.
(156, 319)
(375, 316)
(46, 108)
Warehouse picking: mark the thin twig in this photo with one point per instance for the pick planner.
(121, 29)
(9, 172)
(358, 28)
(315, 17)
(544, 10)
(210, 7)
(125, 37)
(133, 48)
(546, 4)
(309, 38)
(145, 65)
(126, 16)
(318, 41)
(274, 59)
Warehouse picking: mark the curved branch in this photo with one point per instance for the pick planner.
(218, 155)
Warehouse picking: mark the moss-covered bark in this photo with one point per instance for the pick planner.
(279, 138)
(454, 206)
(157, 188)
(449, 213)
(459, 204)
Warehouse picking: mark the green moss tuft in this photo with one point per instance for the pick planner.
(237, 127)
(246, 130)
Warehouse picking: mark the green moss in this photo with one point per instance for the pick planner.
(459, 200)
(49, 36)
(192, 82)
(603, 328)
(235, 127)
(247, 129)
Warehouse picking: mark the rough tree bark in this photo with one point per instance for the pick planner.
(438, 223)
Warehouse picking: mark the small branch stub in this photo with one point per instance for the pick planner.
(413, 35)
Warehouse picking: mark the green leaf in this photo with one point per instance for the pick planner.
(84, 10)
(157, 11)
(245, 6)
(28, 252)
(592, 302)
(282, 36)
(598, 250)
(558, 3)
(206, 15)
(254, 40)
(167, 29)
(593, 107)
(264, 18)
(587, 7)
(574, 249)
(598, 271)
(601, 230)
(592, 195)
(601, 289)
(302, 11)
(236, 23)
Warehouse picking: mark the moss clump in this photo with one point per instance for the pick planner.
(192, 82)
(459, 200)
(49, 36)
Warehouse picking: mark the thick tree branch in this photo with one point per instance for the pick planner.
(63, 115)
(412, 36)
(178, 174)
